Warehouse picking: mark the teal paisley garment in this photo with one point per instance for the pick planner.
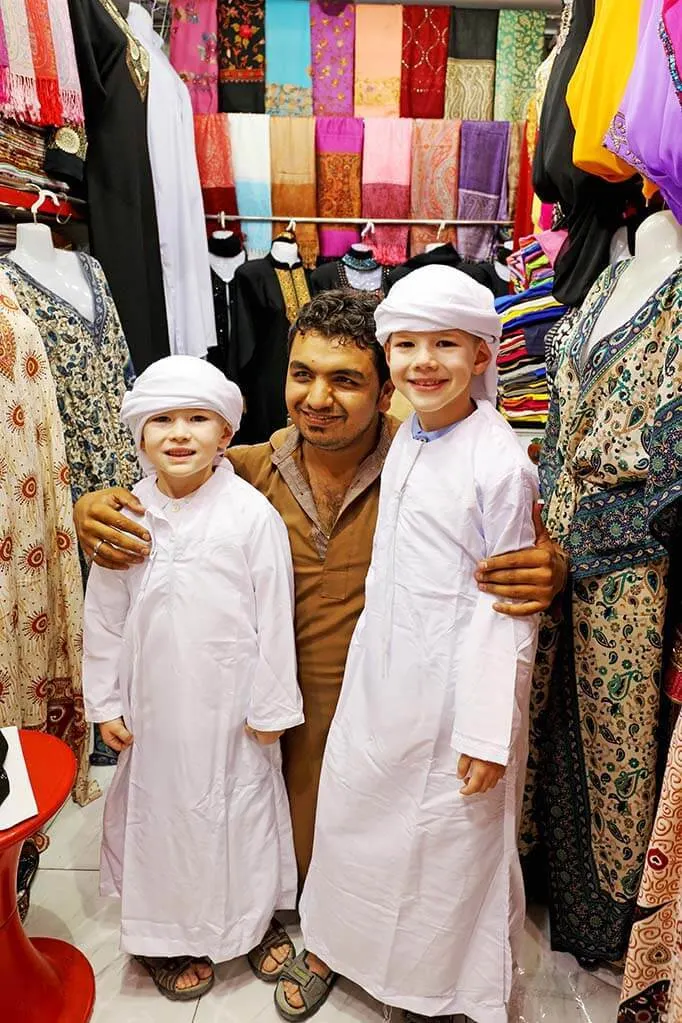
(611, 477)
(520, 43)
(90, 365)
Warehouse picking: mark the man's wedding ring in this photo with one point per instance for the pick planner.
(97, 547)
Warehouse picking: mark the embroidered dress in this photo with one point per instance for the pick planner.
(611, 476)
(332, 26)
(40, 585)
(652, 985)
(88, 362)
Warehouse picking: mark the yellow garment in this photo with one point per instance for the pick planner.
(598, 85)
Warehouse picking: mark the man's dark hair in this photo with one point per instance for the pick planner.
(344, 316)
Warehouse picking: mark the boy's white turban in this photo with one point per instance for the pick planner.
(443, 298)
(179, 381)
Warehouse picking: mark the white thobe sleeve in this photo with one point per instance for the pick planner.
(496, 647)
(276, 702)
(106, 608)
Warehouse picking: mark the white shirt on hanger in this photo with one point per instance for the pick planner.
(179, 205)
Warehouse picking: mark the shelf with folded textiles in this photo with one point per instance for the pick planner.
(18, 200)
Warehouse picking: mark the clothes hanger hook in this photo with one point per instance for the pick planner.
(441, 228)
(291, 226)
(43, 194)
(367, 229)
(221, 219)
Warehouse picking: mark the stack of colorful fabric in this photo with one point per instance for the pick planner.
(526, 317)
(22, 157)
(529, 265)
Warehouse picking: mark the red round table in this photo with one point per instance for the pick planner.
(42, 980)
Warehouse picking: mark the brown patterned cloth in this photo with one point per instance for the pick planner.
(435, 174)
(339, 180)
(652, 984)
(294, 193)
(516, 133)
(241, 56)
(470, 84)
(41, 592)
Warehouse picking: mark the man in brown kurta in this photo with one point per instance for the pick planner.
(322, 475)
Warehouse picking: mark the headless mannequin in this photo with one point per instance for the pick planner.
(620, 248)
(230, 256)
(285, 252)
(658, 251)
(361, 268)
(56, 269)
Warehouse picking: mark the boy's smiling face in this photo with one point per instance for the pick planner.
(434, 369)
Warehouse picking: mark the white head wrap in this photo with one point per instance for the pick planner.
(179, 381)
(443, 298)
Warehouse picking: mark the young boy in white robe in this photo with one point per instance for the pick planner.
(190, 671)
(415, 891)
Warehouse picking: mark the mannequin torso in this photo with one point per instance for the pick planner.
(55, 269)
(658, 251)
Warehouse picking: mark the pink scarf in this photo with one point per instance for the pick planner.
(194, 51)
(386, 169)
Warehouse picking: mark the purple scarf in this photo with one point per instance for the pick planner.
(484, 154)
(332, 24)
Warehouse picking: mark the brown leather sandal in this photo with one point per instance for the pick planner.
(165, 971)
(274, 937)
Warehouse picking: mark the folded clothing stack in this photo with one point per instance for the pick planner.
(523, 396)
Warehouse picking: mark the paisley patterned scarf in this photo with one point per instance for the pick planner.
(339, 179)
(435, 173)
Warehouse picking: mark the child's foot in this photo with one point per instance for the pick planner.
(304, 987)
(179, 978)
(268, 959)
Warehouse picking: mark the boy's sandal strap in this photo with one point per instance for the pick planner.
(314, 990)
(165, 971)
(275, 936)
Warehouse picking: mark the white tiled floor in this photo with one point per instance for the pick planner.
(65, 903)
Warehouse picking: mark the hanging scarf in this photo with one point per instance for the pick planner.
(214, 159)
(435, 173)
(520, 42)
(386, 172)
(339, 180)
(332, 26)
(194, 51)
(470, 83)
(484, 150)
(294, 193)
(4, 64)
(516, 131)
(425, 54)
(670, 31)
(241, 56)
(250, 145)
(378, 59)
(23, 100)
(44, 62)
(70, 96)
(288, 84)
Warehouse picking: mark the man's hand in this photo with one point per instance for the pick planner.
(530, 579)
(115, 734)
(479, 775)
(97, 517)
(263, 738)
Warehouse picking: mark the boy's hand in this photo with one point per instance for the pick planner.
(480, 775)
(115, 734)
(264, 738)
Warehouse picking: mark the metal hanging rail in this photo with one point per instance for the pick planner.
(359, 221)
